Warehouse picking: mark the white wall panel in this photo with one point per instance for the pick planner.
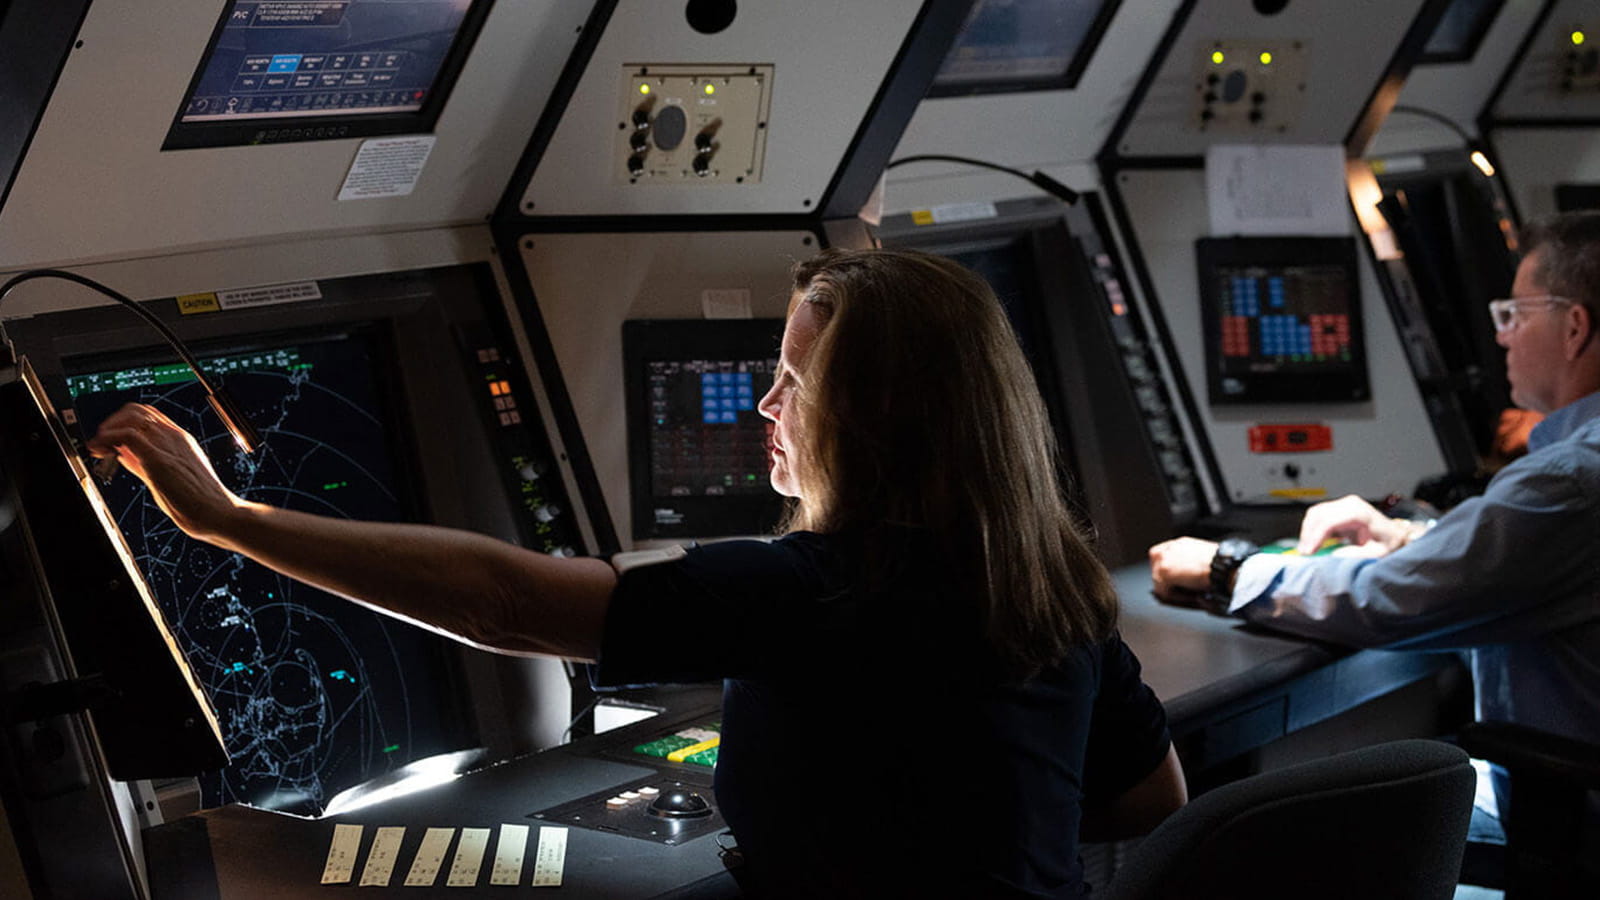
(96, 185)
(1379, 447)
(587, 285)
(829, 58)
(1535, 160)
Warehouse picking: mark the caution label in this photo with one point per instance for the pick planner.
(189, 304)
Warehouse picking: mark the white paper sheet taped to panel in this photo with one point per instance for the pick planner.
(430, 857)
(342, 852)
(381, 858)
(386, 167)
(508, 855)
(550, 860)
(1257, 189)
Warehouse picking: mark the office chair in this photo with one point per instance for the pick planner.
(1551, 776)
(1382, 821)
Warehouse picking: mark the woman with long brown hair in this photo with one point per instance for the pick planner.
(924, 691)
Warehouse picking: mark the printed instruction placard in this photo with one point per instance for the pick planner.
(386, 167)
(1267, 189)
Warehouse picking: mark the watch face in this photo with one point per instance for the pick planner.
(1231, 553)
(1236, 549)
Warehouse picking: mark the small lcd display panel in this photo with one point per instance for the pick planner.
(314, 694)
(289, 70)
(1019, 45)
(1282, 320)
(698, 448)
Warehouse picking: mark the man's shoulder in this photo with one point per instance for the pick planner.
(1571, 464)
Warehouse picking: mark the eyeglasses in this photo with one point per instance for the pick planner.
(1505, 313)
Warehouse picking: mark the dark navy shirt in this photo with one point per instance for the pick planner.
(869, 749)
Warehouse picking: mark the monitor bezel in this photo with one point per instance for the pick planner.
(183, 135)
(1350, 385)
(653, 340)
(377, 336)
(402, 314)
(152, 716)
(1480, 28)
(1067, 80)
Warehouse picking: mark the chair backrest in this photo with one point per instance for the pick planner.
(1382, 821)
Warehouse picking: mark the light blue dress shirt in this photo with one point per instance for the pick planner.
(1512, 576)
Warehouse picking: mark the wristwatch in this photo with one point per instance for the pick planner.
(1231, 554)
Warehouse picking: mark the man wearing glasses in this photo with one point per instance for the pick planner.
(1513, 575)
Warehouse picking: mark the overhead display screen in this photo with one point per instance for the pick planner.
(1283, 320)
(1017, 45)
(314, 694)
(285, 70)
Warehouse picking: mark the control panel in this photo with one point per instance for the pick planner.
(1245, 87)
(1579, 49)
(528, 470)
(673, 805)
(692, 124)
(1149, 391)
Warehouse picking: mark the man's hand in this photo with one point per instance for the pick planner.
(1181, 570)
(170, 461)
(1354, 520)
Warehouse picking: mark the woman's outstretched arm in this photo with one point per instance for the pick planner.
(467, 586)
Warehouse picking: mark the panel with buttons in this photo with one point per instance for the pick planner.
(528, 467)
(1247, 87)
(1579, 69)
(699, 124)
(1148, 390)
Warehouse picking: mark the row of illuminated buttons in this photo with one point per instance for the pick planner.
(316, 62)
(246, 84)
(244, 103)
(691, 745)
(1235, 336)
(626, 797)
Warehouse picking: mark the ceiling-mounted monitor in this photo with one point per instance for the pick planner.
(1282, 318)
(280, 71)
(1023, 45)
(1460, 30)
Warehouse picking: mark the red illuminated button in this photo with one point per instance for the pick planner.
(1290, 438)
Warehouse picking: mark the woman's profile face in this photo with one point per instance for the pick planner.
(798, 336)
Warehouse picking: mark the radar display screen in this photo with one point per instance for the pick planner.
(1015, 45)
(1282, 319)
(699, 448)
(311, 68)
(314, 693)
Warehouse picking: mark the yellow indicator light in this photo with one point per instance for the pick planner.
(644, 88)
(1578, 37)
(1483, 164)
(1266, 58)
(710, 89)
(1217, 57)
